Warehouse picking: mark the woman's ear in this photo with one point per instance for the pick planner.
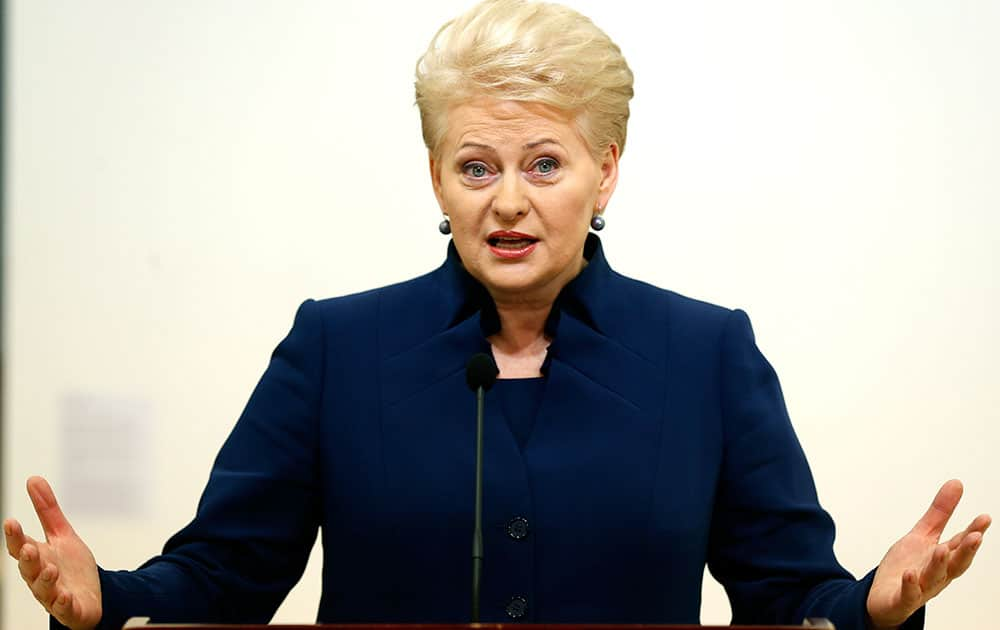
(609, 175)
(435, 168)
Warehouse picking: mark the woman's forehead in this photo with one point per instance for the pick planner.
(508, 123)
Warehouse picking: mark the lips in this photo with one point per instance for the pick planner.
(510, 240)
(511, 245)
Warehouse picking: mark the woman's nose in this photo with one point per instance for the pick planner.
(510, 203)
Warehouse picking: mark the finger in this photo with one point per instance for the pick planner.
(13, 537)
(44, 586)
(936, 570)
(961, 558)
(62, 607)
(932, 523)
(29, 563)
(986, 520)
(979, 524)
(53, 521)
(910, 593)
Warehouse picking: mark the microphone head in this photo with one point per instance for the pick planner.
(481, 371)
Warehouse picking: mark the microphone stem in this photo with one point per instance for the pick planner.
(477, 531)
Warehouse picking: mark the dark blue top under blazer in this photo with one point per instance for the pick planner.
(661, 443)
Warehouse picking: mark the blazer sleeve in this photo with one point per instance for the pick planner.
(257, 519)
(771, 543)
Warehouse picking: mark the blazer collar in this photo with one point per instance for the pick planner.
(583, 360)
(464, 296)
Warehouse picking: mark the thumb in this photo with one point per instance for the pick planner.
(53, 521)
(933, 522)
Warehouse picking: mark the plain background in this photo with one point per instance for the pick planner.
(182, 174)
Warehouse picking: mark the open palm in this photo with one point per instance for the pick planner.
(61, 571)
(919, 566)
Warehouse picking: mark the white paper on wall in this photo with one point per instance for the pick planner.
(105, 454)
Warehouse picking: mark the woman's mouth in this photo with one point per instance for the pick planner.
(511, 244)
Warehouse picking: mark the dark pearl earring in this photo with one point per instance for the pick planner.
(598, 223)
(445, 227)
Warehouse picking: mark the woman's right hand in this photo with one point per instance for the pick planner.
(61, 572)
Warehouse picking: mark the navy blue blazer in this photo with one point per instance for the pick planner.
(661, 444)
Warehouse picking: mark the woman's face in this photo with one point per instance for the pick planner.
(520, 186)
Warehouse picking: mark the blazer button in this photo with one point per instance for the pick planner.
(517, 607)
(517, 528)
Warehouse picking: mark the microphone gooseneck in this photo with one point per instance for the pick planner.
(480, 374)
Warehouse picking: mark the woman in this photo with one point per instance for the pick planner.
(635, 435)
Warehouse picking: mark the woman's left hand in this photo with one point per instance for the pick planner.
(919, 566)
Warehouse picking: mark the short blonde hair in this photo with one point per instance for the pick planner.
(526, 51)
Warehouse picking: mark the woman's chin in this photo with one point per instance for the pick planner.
(518, 285)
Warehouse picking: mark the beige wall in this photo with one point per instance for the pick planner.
(183, 174)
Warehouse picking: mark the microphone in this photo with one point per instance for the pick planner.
(480, 374)
(481, 371)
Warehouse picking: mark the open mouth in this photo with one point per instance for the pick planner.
(511, 243)
(511, 240)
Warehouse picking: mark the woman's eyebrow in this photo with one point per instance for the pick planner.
(475, 145)
(532, 145)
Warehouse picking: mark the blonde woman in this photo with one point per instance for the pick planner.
(634, 436)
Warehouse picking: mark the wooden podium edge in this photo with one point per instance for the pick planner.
(142, 623)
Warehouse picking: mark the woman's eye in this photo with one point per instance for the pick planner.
(476, 170)
(545, 166)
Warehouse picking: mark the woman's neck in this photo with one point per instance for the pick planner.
(519, 347)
